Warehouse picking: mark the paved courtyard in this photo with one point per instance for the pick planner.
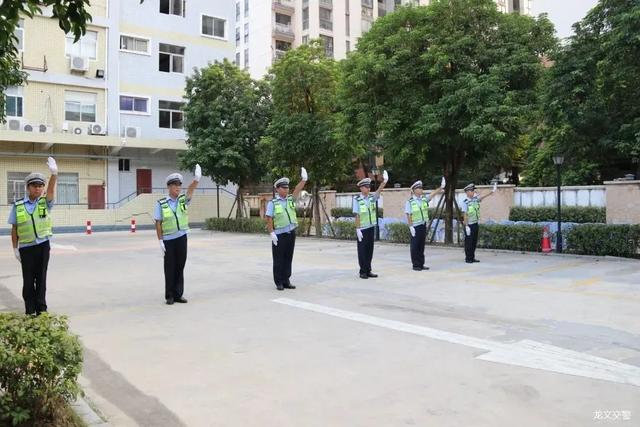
(516, 340)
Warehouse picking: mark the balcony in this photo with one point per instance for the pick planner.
(327, 4)
(279, 54)
(283, 31)
(367, 3)
(285, 6)
(326, 24)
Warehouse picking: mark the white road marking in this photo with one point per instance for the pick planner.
(525, 353)
(63, 247)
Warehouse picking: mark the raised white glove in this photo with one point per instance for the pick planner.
(412, 230)
(467, 230)
(16, 252)
(359, 234)
(443, 183)
(304, 174)
(162, 248)
(274, 238)
(495, 187)
(53, 166)
(197, 173)
(385, 176)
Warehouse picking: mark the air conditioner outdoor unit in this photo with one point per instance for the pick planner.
(27, 127)
(97, 129)
(78, 130)
(78, 63)
(45, 128)
(14, 124)
(132, 132)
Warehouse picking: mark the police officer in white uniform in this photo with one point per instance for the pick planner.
(471, 210)
(417, 211)
(31, 230)
(172, 225)
(364, 209)
(281, 224)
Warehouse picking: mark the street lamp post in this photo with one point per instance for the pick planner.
(558, 160)
(375, 172)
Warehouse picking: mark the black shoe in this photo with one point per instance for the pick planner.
(181, 300)
(417, 268)
(475, 260)
(288, 285)
(425, 268)
(280, 287)
(169, 301)
(370, 274)
(364, 276)
(468, 262)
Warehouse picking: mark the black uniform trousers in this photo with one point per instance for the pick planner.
(365, 250)
(470, 243)
(417, 246)
(175, 257)
(34, 261)
(283, 257)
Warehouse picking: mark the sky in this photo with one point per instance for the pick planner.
(563, 13)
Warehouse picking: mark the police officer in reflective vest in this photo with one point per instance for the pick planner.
(281, 224)
(364, 209)
(471, 210)
(417, 210)
(31, 229)
(172, 225)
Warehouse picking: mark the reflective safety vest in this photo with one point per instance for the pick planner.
(367, 209)
(173, 222)
(473, 210)
(419, 210)
(284, 215)
(32, 226)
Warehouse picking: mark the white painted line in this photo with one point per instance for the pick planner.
(525, 353)
(63, 247)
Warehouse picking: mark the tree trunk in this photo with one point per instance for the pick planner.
(316, 210)
(451, 175)
(240, 204)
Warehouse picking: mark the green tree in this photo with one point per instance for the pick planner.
(303, 129)
(591, 100)
(446, 86)
(226, 114)
(72, 17)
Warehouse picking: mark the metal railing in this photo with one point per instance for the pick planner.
(284, 29)
(326, 24)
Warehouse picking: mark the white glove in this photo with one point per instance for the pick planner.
(467, 230)
(16, 252)
(385, 176)
(53, 166)
(412, 230)
(162, 248)
(304, 174)
(495, 187)
(359, 234)
(443, 183)
(274, 238)
(197, 173)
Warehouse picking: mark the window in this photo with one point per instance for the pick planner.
(305, 39)
(67, 189)
(238, 59)
(171, 58)
(134, 104)
(246, 33)
(86, 47)
(326, 20)
(80, 106)
(305, 18)
(246, 58)
(134, 44)
(237, 36)
(172, 7)
(16, 186)
(13, 101)
(214, 27)
(124, 165)
(19, 33)
(246, 8)
(516, 5)
(348, 46)
(237, 11)
(171, 115)
(328, 45)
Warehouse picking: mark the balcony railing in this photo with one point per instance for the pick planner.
(287, 4)
(367, 3)
(326, 3)
(326, 24)
(280, 53)
(284, 29)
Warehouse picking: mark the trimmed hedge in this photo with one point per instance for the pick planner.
(238, 225)
(345, 230)
(348, 213)
(399, 232)
(601, 239)
(255, 212)
(510, 237)
(577, 214)
(39, 366)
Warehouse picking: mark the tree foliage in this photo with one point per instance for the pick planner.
(591, 100)
(72, 16)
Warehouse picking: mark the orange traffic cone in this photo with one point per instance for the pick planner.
(546, 241)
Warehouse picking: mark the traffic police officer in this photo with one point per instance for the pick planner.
(417, 210)
(471, 210)
(30, 232)
(364, 209)
(172, 225)
(281, 224)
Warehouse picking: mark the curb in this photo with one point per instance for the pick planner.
(88, 415)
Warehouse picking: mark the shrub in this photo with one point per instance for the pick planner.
(398, 232)
(348, 212)
(602, 239)
(577, 214)
(241, 225)
(510, 237)
(344, 230)
(39, 365)
(255, 212)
